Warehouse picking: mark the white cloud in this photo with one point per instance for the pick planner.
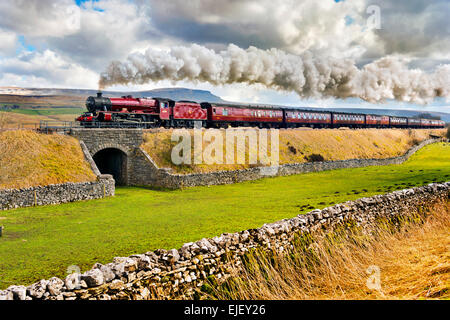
(43, 18)
(8, 42)
(43, 70)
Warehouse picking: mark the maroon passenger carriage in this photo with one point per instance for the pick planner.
(224, 115)
(350, 120)
(377, 121)
(301, 118)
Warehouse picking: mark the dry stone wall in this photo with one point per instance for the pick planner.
(57, 193)
(182, 273)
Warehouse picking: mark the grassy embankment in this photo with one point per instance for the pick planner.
(407, 262)
(31, 159)
(296, 146)
(42, 242)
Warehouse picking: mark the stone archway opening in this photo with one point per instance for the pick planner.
(112, 161)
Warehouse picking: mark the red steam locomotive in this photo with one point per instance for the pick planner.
(161, 112)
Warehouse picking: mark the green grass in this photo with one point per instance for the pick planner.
(42, 242)
(49, 111)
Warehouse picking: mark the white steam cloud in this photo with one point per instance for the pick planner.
(307, 75)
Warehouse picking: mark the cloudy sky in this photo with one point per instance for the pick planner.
(68, 43)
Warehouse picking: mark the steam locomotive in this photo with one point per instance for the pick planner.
(161, 112)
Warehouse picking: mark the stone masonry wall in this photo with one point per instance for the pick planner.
(57, 193)
(178, 274)
(146, 172)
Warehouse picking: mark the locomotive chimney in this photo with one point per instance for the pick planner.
(99, 94)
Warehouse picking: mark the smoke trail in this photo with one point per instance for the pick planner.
(308, 75)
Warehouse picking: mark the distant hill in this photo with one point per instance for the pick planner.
(171, 93)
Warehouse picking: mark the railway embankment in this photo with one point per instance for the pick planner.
(147, 172)
(38, 169)
(30, 159)
(297, 146)
(189, 272)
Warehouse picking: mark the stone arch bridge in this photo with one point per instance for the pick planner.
(117, 152)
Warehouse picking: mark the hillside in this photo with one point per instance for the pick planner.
(297, 146)
(79, 95)
(32, 159)
(30, 118)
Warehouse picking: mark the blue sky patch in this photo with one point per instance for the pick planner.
(81, 3)
(23, 46)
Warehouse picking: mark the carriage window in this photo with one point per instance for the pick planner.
(214, 110)
(225, 112)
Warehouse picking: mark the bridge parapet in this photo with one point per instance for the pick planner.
(126, 140)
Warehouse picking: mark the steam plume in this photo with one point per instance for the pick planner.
(307, 75)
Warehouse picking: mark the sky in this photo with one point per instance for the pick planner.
(68, 43)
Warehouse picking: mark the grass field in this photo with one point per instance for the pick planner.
(50, 111)
(17, 120)
(42, 242)
(42, 101)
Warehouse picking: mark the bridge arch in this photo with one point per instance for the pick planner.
(113, 160)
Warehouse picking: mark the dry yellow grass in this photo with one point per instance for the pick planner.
(412, 263)
(298, 144)
(29, 159)
(11, 120)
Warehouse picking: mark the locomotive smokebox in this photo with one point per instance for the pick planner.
(98, 103)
